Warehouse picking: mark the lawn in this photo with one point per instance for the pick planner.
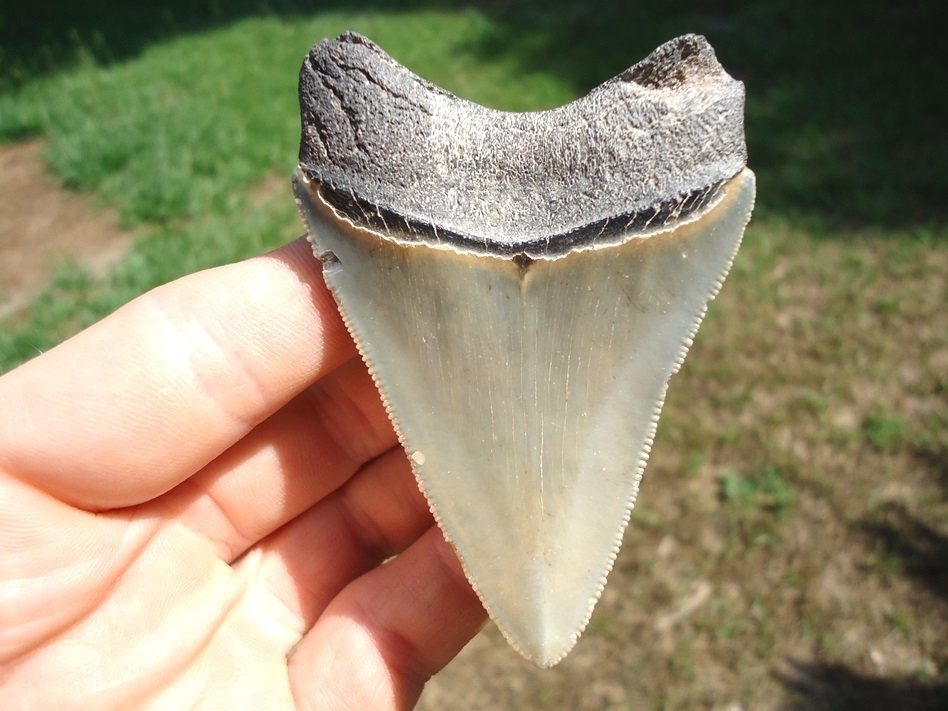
(795, 504)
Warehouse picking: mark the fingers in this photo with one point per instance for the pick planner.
(378, 514)
(388, 632)
(400, 622)
(286, 464)
(138, 402)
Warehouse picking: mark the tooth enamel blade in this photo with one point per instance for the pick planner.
(522, 287)
(528, 401)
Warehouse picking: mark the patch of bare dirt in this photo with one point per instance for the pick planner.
(43, 225)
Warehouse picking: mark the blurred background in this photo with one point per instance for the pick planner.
(790, 545)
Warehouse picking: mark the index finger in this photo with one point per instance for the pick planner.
(141, 400)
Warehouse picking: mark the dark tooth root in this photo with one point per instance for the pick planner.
(641, 151)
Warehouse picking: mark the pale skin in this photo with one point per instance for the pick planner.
(196, 496)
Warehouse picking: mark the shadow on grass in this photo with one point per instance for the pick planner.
(845, 111)
(830, 687)
(906, 546)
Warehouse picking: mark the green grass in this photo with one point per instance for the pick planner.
(178, 137)
(887, 432)
(767, 490)
(177, 131)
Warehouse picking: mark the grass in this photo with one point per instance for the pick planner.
(886, 432)
(765, 491)
(800, 463)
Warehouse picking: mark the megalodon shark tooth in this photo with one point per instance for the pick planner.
(522, 286)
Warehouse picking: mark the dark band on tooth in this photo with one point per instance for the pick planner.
(609, 230)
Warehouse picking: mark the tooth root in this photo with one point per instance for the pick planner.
(528, 397)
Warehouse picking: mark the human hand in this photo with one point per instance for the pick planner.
(196, 496)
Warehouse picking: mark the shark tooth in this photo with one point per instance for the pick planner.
(522, 286)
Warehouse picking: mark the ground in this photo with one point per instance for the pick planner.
(42, 225)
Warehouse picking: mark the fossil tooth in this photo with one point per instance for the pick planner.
(522, 286)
